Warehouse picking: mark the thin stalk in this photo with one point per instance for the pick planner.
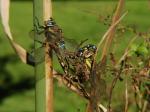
(47, 14)
(126, 94)
(115, 18)
(107, 32)
(40, 97)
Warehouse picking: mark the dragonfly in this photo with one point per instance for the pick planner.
(75, 64)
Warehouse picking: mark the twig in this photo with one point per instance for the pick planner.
(102, 107)
(126, 95)
(111, 34)
(136, 95)
(108, 31)
(47, 13)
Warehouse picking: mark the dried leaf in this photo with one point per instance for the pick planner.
(21, 52)
(4, 10)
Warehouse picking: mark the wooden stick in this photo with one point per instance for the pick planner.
(47, 9)
(48, 79)
(47, 13)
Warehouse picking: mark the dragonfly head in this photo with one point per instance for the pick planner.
(91, 47)
(91, 50)
(50, 23)
(87, 51)
(80, 52)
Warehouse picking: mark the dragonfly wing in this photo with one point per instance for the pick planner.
(37, 36)
(101, 83)
(73, 44)
(101, 89)
(70, 43)
(37, 55)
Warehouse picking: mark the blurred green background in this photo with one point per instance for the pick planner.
(79, 20)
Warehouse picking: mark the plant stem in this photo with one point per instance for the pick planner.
(47, 14)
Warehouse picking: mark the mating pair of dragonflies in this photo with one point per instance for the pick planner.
(76, 64)
(52, 34)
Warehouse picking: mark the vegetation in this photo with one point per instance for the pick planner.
(78, 21)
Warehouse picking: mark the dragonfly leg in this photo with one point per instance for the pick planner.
(38, 24)
(39, 28)
(68, 83)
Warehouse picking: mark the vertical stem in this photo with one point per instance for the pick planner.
(39, 69)
(47, 13)
(42, 11)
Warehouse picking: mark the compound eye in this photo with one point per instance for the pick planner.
(94, 47)
(80, 50)
(88, 45)
(49, 23)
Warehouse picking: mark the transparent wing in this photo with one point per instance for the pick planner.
(101, 89)
(37, 36)
(98, 90)
(72, 44)
(37, 55)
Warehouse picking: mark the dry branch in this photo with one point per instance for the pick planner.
(115, 18)
(107, 33)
